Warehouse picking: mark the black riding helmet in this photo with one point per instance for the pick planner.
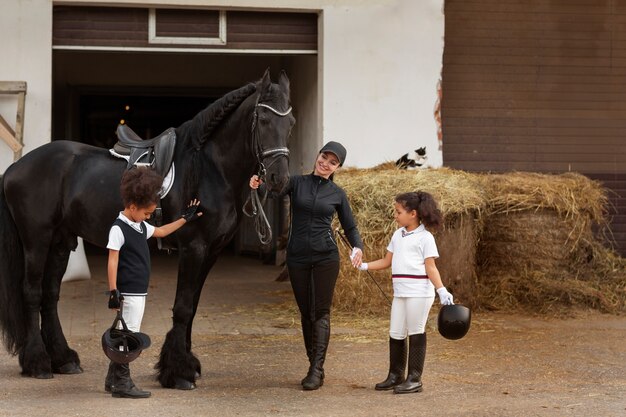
(122, 345)
(453, 321)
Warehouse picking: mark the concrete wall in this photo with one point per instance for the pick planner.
(375, 81)
(25, 49)
(381, 64)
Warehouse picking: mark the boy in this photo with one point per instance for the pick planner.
(129, 261)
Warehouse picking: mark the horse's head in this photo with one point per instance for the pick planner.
(271, 130)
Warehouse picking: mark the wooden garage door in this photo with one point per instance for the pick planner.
(111, 28)
(538, 85)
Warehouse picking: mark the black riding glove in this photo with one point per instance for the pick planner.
(190, 212)
(115, 299)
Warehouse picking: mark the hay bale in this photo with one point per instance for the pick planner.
(514, 241)
(537, 249)
(371, 193)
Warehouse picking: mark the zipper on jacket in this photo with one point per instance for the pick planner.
(331, 238)
(311, 215)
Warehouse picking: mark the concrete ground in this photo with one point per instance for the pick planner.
(246, 336)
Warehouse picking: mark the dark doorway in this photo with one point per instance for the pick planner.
(148, 116)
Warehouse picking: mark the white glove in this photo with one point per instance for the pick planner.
(445, 298)
(354, 252)
(363, 266)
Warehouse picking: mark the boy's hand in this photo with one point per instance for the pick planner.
(190, 213)
(114, 299)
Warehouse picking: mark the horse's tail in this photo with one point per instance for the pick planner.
(12, 320)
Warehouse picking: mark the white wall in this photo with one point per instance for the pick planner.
(378, 68)
(381, 66)
(25, 48)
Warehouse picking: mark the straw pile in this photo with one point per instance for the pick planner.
(510, 241)
(371, 193)
(538, 250)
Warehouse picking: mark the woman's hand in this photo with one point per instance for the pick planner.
(255, 181)
(356, 257)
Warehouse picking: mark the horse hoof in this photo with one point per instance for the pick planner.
(70, 368)
(183, 384)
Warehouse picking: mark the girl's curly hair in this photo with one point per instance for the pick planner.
(425, 206)
(141, 187)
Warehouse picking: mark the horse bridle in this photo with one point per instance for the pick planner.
(261, 224)
(261, 154)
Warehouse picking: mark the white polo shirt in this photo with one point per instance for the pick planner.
(408, 270)
(116, 237)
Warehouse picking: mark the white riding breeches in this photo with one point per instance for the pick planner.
(132, 311)
(409, 316)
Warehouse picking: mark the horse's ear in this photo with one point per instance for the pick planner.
(283, 81)
(266, 80)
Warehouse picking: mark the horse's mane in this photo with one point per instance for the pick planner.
(199, 129)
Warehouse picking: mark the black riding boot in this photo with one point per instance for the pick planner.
(417, 355)
(307, 334)
(397, 365)
(321, 335)
(123, 386)
(108, 381)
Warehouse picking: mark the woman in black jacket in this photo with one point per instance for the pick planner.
(312, 254)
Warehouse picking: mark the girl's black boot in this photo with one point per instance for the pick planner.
(417, 355)
(397, 365)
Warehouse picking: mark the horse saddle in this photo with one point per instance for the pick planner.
(156, 153)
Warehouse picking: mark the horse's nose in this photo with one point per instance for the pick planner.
(279, 181)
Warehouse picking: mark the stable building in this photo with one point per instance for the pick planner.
(527, 86)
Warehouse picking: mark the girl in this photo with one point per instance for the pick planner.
(411, 255)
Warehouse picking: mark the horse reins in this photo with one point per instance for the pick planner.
(261, 223)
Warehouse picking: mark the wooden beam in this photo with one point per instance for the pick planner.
(12, 87)
(19, 123)
(8, 135)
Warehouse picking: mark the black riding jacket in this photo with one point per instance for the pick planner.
(314, 202)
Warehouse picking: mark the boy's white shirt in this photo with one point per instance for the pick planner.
(116, 237)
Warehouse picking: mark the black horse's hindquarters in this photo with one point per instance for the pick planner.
(66, 189)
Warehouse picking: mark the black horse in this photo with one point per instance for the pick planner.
(67, 189)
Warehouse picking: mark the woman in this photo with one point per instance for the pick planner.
(312, 254)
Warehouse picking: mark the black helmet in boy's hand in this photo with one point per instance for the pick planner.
(122, 345)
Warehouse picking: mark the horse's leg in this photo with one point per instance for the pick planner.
(177, 365)
(34, 358)
(64, 360)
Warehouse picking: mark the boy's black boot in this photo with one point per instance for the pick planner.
(321, 335)
(417, 355)
(123, 386)
(108, 381)
(397, 365)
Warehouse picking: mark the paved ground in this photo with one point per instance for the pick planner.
(247, 338)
